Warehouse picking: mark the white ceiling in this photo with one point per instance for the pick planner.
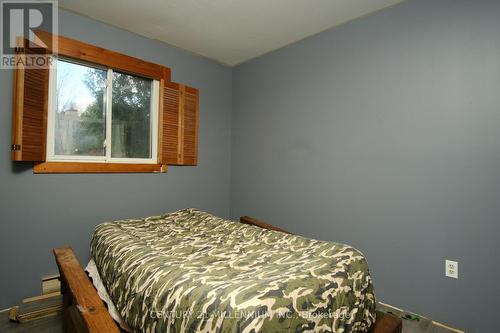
(228, 31)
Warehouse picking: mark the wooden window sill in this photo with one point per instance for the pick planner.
(75, 167)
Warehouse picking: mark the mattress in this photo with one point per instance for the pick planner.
(190, 271)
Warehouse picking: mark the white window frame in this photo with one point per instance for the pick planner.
(51, 114)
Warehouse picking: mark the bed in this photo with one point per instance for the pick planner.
(190, 271)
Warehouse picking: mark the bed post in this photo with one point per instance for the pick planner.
(83, 310)
(387, 323)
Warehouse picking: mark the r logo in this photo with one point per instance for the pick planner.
(20, 22)
(18, 28)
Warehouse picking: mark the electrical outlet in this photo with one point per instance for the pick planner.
(451, 269)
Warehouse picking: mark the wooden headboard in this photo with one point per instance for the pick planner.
(253, 221)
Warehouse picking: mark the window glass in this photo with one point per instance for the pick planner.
(79, 111)
(82, 115)
(131, 117)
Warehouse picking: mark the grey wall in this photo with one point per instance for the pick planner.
(39, 212)
(384, 133)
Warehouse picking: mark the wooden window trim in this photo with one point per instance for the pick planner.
(84, 167)
(77, 50)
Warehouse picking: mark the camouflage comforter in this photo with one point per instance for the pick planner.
(190, 271)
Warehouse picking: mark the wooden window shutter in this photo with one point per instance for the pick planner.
(30, 105)
(171, 124)
(190, 126)
(180, 125)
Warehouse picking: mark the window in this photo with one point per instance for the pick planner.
(100, 111)
(98, 114)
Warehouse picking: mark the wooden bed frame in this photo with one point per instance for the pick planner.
(85, 312)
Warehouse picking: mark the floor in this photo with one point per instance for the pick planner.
(54, 324)
(51, 324)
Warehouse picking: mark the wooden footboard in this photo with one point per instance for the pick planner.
(85, 312)
(83, 309)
